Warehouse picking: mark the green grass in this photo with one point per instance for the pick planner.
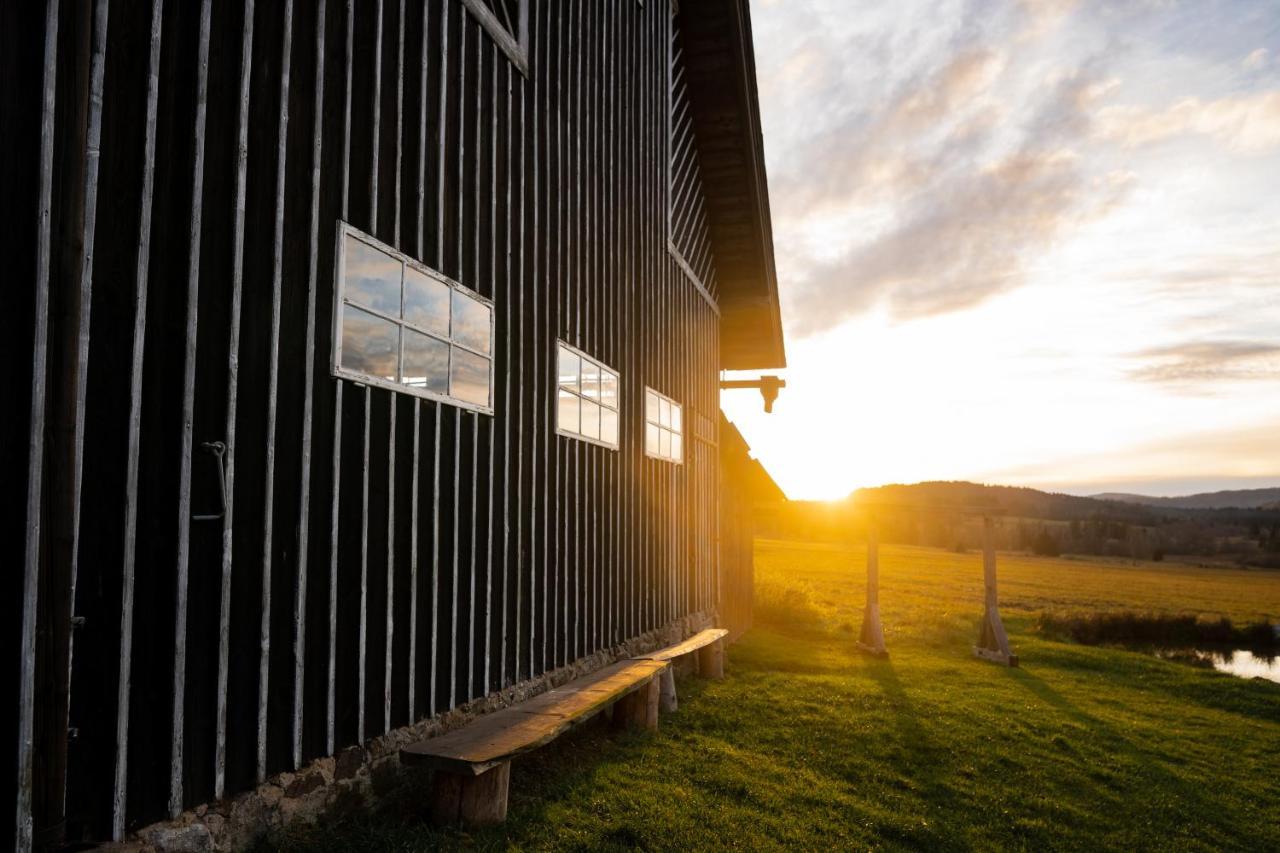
(809, 745)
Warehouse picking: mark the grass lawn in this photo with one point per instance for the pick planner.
(809, 745)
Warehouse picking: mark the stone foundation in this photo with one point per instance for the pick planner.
(363, 771)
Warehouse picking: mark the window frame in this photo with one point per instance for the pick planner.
(644, 439)
(346, 229)
(555, 384)
(514, 45)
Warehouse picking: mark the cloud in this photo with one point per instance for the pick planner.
(928, 155)
(968, 216)
(1257, 270)
(1255, 60)
(1244, 456)
(1044, 15)
(860, 151)
(1199, 363)
(1246, 123)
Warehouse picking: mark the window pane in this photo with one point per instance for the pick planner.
(426, 362)
(676, 447)
(372, 277)
(609, 426)
(609, 389)
(664, 412)
(675, 416)
(650, 406)
(590, 379)
(650, 438)
(426, 302)
(567, 419)
(664, 444)
(590, 419)
(470, 322)
(469, 377)
(570, 364)
(370, 345)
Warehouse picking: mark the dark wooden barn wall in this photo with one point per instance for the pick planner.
(736, 539)
(173, 175)
(690, 229)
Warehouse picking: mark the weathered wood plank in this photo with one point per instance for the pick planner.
(273, 385)
(413, 562)
(35, 448)
(390, 592)
(362, 649)
(336, 495)
(504, 734)
(308, 390)
(188, 407)
(697, 641)
(233, 379)
(375, 125)
(69, 414)
(435, 561)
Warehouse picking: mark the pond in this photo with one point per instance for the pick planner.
(1238, 662)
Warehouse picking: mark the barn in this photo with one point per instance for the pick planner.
(363, 361)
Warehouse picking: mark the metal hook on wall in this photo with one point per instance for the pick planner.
(217, 450)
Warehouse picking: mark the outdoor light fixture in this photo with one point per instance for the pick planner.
(768, 385)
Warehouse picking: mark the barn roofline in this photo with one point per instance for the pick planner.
(720, 66)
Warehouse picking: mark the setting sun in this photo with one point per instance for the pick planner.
(1018, 256)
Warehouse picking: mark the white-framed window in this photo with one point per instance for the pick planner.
(507, 23)
(663, 427)
(587, 395)
(403, 326)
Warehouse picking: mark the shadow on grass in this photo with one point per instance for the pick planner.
(1189, 795)
(925, 759)
(1255, 698)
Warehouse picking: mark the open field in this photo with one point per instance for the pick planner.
(809, 745)
(924, 591)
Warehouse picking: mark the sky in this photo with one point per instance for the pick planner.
(1029, 242)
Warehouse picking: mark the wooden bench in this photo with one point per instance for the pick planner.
(473, 763)
(709, 646)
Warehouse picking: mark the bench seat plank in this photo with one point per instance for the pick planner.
(502, 735)
(697, 641)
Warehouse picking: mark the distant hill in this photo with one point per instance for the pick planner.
(1231, 499)
(1248, 504)
(947, 514)
(1013, 500)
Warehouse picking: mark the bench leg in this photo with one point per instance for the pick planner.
(711, 660)
(667, 691)
(639, 708)
(471, 800)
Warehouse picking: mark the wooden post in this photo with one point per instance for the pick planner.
(993, 642)
(667, 691)
(471, 800)
(711, 660)
(639, 708)
(871, 639)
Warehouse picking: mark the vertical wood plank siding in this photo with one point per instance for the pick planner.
(343, 559)
(689, 229)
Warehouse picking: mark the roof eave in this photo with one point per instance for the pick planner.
(720, 66)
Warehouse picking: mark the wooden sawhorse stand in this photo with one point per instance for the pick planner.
(993, 642)
(871, 640)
